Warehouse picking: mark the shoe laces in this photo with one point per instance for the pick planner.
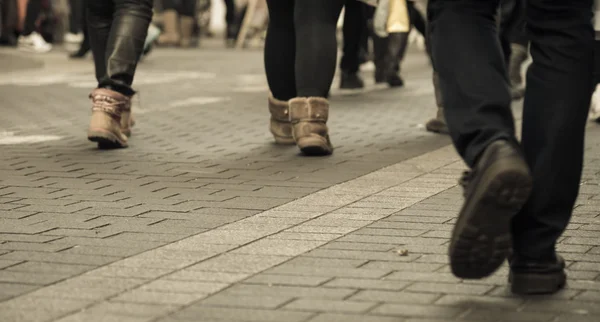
(109, 105)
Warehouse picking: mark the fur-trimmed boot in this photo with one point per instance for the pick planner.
(280, 125)
(308, 116)
(105, 128)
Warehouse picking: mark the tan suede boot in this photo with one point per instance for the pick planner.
(309, 117)
(187, 29)
(170, 35)
(280, 125)
(107, 110)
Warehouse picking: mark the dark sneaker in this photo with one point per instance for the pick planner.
(528, 277)
(495, 190)
(351, 81)
(395, 81)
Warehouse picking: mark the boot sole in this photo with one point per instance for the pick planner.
(106, 140)
(315, 146)
(537, 284)
(481, 239)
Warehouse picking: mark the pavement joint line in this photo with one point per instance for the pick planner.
(407, 167)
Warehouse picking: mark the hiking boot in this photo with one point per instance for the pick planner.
(438, 124)
(495, 190)
(308, 116)
(535, 277)
(351, 81)
(108, 107)
(280, 125)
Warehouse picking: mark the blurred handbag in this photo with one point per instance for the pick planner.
(391, 16)
(398, 20)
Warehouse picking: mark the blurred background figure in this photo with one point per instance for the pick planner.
(75, 32)
(178, 22)
(30, 40)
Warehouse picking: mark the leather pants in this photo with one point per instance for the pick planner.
(117, 30)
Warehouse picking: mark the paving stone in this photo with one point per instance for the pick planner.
(291, 280)
(156, 297)
(95, 317)
(340, 317)
(251, 302)
(239, 263)
(281, 247)
(395, 297)
(296, 291)
(368, 284)
(329, 306)
(450, 288)
(417, 310)
(497, 315)
(171, 286)
(201, 313)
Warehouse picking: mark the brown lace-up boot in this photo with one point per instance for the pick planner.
(108, 107)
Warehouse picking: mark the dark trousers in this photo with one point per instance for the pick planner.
(355, 31)
(512, 25)
(117, 30)
(183, 7)
(475, 87)
(34, 8)
(301, 47)
(75, 16)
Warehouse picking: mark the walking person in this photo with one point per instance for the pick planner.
(30, 40)
(518, 196)
(300, 62)
(117, 31)
(179, 19)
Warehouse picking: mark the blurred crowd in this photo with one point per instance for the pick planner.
(37, 25)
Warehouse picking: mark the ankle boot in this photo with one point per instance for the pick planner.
(280, 125)
(170, 35)
(187, 28)
(517, 58)
(308, 116)
(438, 123)
(108, 107)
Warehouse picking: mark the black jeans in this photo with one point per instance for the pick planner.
(301, 47)
(475, 87)
(117, 30)
(34, 8)
(355, 31)
(183, 7)
(75, 16)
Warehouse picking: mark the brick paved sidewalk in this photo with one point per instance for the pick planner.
(202, 219)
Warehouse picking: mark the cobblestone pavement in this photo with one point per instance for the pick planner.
(203, 219)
